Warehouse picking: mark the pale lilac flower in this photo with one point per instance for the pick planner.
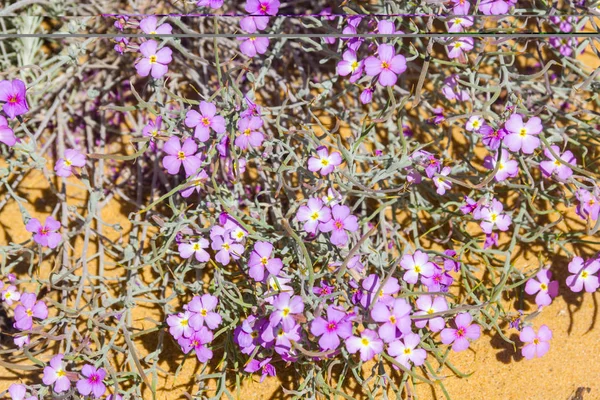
(196, 248)
(507, 168)
(198, 342)
(13, 95)
(45, 235)
(366, 95)
(394, 317)
(583, 275)
(262, 7)
(204, 121)
(464, 330)
(452, 91)
(196, 183)
(332, 198)
(226, 249)
(387, 65)
(18, 392)
(154, 61)
(494, 216)
(72, 158)
(286, 306)
(153, 128)
(202, 312)
(314, 213)
(249, 135)
(523, 136)
(150, 26)
(55, 374)
(179, 154)
(543, 286)
(373, 292)
(179, 325)
(416, 265)
(324, 162)
(252, 24)
(459, 23)
(7, 136)
(261, 258)
(253, 45)
(441, 183)
(214, 4)
(491, 137)
(350, 66)
(27, 310)
(496, 7)
(91, 381)
(385, 27)
(368, 343)
(458, 48)
(405, 352)
(428, 305)
(460, 7)
(474, 123)
(238, 233)
(438, 281)
(589, 204)
(267, 369)
(537, 344)
(277, 284)
(22, 341)
(282, 339)
(11, 294)
(554, 166)
(336, 326)
(340, 224)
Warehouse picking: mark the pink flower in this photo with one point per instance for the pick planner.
(18, 392)
(507, 169)
(202, 312)
(522, 136)
(490, 137)
(154, 61)
(464, 330)
(340, 224)
(333, 328)
(179, 325)
(11, 294)
(544, 288)
(458, 24)
(388, 66)
(589, 204)
(405, 352)
(249, 136)
(252, 24)
(265, 365)
(262, 7)
(21, 341)
(416, 264)
(452, 91)
(196, 248)
(493, 216)
(323, 161)
(314, 213)
(458, 48)
(12, 94)
(428, 305)
(474, 123)
(27, 310)
(538, 344)
(204, 121)
(350, 66)
(366, 96)
(253, 45)
(562, 171)
(460, 7)
(181, 154)
(496, 7)
(198, 342)
(442, 184)
(73, 158)
(7, 136)
(368, 343)
(227, 249)
(92, 381)
(260, 258)
(196, 184)
(394, 317)
(374, 292)
(55, 374)
(150, 26)
(153, 128)
(47, 234)
(285, 307)
(214, 4)
(583, 275)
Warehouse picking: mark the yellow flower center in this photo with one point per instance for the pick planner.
(392, 319)
(181, 155)
(365, 341)
(407, 351)
(523, 132)
(68, 162)
(285, 311)
(29, 313)
(354, 65)
(543, 286)
(225, 246)
(196, 247)
(314, 216)
(418, 269)
(584, 274)
(152, 59)
(205, 121)
(184, 322)
(60, 373)
(264, 261)
(385, 65)
(247, 132)
(203, 312)
(493, 217)
(430, 311)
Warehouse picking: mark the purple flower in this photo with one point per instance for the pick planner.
(565, 46)
(92, 381)
(28, 309)
(441, 183)
(522, 136)
(253, 45)
(340, 224)
(372, 292)
(416, 264)
(492, 138)
(368, 343)
(204, 121)
(323, 161)
(265, 365)
(428, 305)
(45, 235)
(73, 158)
(10, 294)
(331, 330)
(196, 183)
(496, 7)
(249, 136)
(458, 24)
(152, 128)
(286, 306)
(469, 207)
(583, 275)
(464, 330)
(314, 213)
(491, 239)
(198, 342)
(179, 154)
(554, 166)
(388, 65)
(21, 341)
(460, 7)
(394, 317)
(453, 263)
(252, 24)
(196, 248)
(248, 335)
(150, 26)
(7, 136)
(214, 4)
(438, 281)
(121, 21)
(366, 96)
(452, 91)
(544, 288)
(260, 258)
(154, 61)
(537, 344)
(55, 374)
(227, 248)
(589, 204)
(18, 392)
(202, 312)
(179, 325)
(405, 351)
(458, 48)
(507, 169)
(12, 94)
(350, 66)
(493, 216)
(262, 7)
